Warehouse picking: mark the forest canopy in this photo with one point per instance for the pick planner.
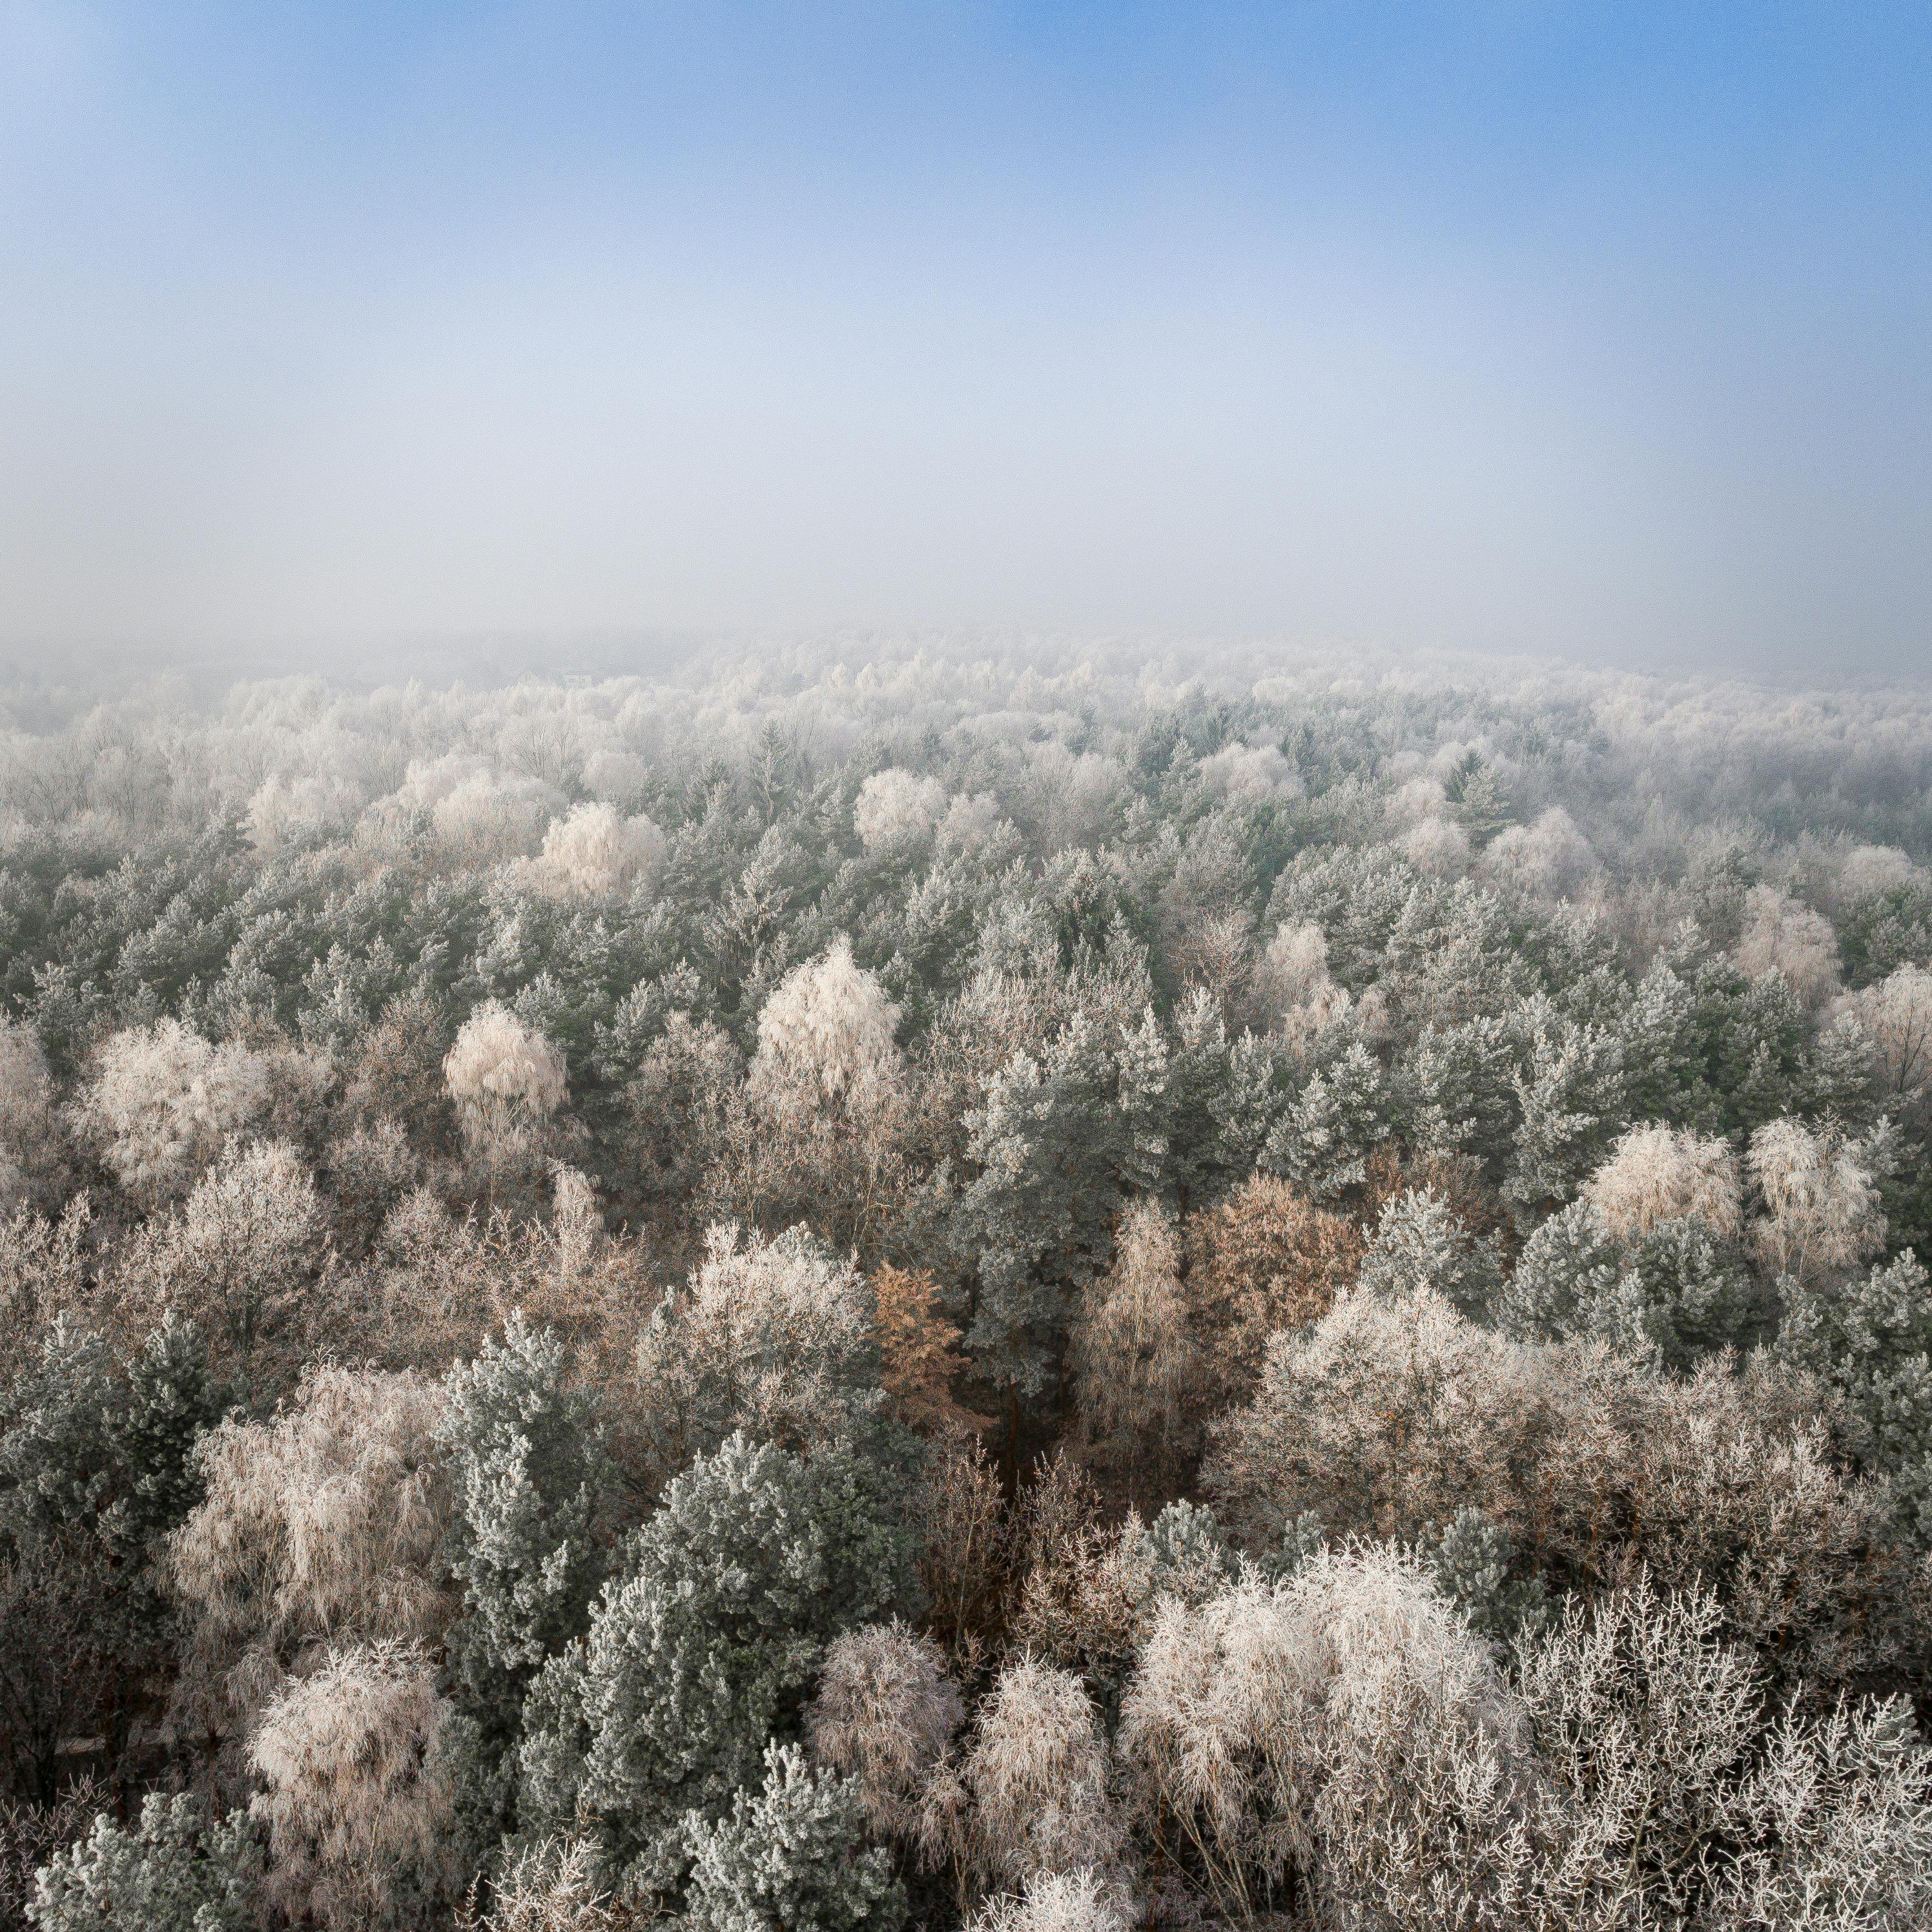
(1041, 1288)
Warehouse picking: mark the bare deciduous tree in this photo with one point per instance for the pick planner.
(1656, 1174)
(358, 1805)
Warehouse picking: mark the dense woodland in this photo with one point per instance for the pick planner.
(1037, 1290)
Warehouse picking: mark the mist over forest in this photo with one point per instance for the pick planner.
(965, 968)
(1040, 1286)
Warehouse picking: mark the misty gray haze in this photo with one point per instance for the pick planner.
(1598, 334)
(965, 969)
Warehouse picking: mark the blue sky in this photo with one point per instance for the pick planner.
(1597, 329)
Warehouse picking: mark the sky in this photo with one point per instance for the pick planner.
(1604, 331)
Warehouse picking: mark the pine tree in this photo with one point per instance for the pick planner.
(1687, 1293)
(1566, 1269)
(56, 1465)
(792, 1858)
(1420, 1244)
(1342, 1116)
(1054, 1144)
(1870, 1339)
(529, 1473)
(172, 1873)
(703, 1647)
(170, 1402)
(1459, 1086)
(1476, 794)
(1572, 1094)
(1472, 1563)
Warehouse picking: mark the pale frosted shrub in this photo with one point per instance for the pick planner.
(504, 1076)
(441, 1282)
(1643, 1721)
(163, 1101)
(396, 1067)
(1783, 936)
(28, 1134)
(1731, 1481)
(1293, 973)
(821, 1130)
(1034, 1782)
(896, 804)
(1131, 1353)
(573, 1275)
(553, 1887)
(1866, 870)
(594, 852)
(1413, 800)
(1836, 1821)
(885, 1713)
(13, 1181)
(42, 1274)
(682, 1106)
(438, 1284)
(577, 1223)
(301, 1082)
(33, 1836)
(429, 780)
(1896, 1016)
(774, 1337)
(1216, 955)
(487, 818)
(963, 1564)
(237, 1256)
(1201, 914)
(358, 1810)
(1251, 774)
(1386, 1416)
(1821, 1196)
(328, 1521)
(1437, 847)
(286, 808)
(616, 777)
(371, 1169)
(1656, 1174)
(1085, 1589)
(1549, 859)
(1077, 1901)
(1666, 1796)
(826, 1032)
(1058, 1547)
(1343, 1731)
(1069, 795)
(971, 821)
(1089, 1592)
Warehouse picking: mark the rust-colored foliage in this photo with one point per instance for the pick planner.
(920, 1360)
(1264, 1259)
